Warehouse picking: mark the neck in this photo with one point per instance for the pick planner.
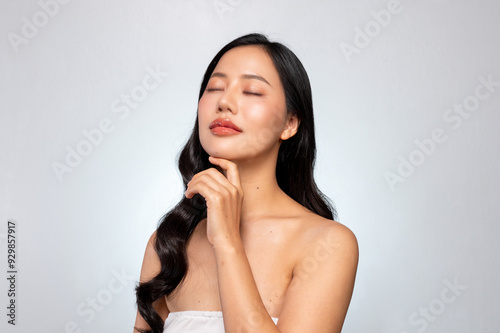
(260, 187)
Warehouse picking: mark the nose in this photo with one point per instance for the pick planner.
(227, 101)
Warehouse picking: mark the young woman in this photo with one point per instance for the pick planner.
(253, 245)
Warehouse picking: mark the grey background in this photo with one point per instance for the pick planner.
(437, 226)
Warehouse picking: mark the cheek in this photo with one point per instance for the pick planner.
(267, 117)
(204, 108)
(203, 105)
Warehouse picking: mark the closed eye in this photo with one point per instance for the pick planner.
(213, 89)
(252, 93)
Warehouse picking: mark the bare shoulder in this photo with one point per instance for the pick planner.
(152, 238)
(151, 263)
(317, 229)
(340, 235)
(329, 244)
(313, 228)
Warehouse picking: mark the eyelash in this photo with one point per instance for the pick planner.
(252, 93)
(245, 92)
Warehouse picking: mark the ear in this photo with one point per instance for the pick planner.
(292, 126)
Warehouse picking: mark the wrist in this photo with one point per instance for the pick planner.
(228, 246)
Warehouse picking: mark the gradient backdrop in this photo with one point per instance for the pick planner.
(98, 97)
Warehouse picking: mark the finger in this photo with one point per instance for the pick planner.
(198, 188)
(231, 168)
(205, 185)
(211, 172)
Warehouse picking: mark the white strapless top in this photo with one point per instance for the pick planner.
(196, 322)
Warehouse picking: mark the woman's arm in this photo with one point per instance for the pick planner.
(151, 266)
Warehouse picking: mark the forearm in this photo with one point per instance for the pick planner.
(242, 306)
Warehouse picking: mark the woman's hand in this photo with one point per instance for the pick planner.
(224, 197)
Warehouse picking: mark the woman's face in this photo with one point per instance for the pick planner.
(245, 89)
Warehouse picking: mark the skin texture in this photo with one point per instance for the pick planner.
(258, 254)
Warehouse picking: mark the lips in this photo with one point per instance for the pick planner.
(221, 122)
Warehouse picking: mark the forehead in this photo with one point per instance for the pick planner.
(249, 59)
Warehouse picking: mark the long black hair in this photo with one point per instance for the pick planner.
(294, 174)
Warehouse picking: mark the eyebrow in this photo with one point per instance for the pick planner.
(243, 76)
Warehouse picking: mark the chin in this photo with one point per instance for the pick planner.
(223, 154)
(225, 150)
(231, 150)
